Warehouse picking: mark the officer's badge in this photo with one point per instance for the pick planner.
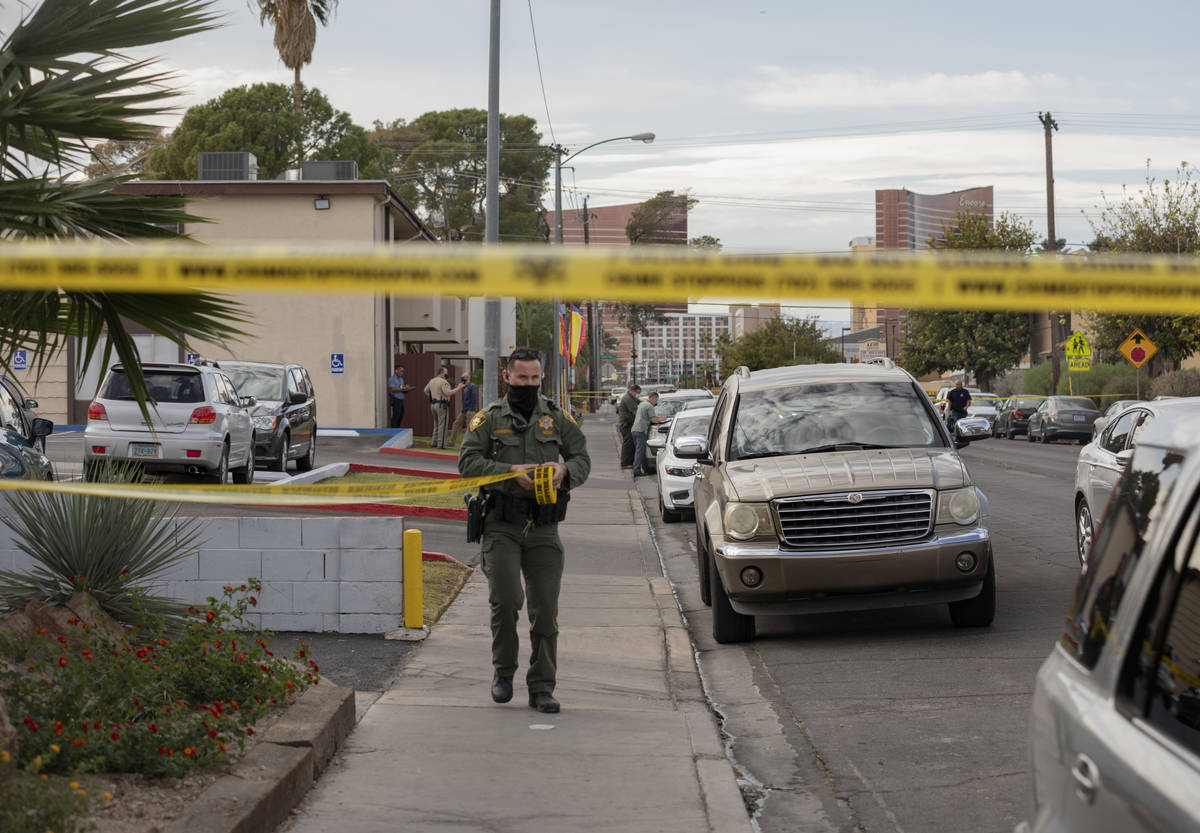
(546, 423)
(479, 419)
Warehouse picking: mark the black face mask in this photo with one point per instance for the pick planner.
(523, 398)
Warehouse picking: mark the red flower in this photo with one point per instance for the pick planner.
(263, 667)
(221, 746)
(212, 614)
(190, 751)
(254, 601)
(314, 665)
(87, 654)
(153, 728)
(170, 753)
(161, 750)
(63, 640)
(84, 725)
(73, 621)
(124, 572)
(79, 741)
(115, 736)
(32, 724)
(303, 655)
(249, 730)
(212, 733)
(41, 631)
(243, 587)
(228, 588)
(95, 725)
(62, 661)
(163, 642)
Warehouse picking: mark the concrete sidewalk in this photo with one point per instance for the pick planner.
(636, 747)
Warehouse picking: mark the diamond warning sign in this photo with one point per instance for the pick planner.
(1137, 349)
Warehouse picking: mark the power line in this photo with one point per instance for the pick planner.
(541, 81)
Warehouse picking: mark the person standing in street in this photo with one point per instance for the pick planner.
(439, 391)
(957, 402)
(641, 431)
(518, 433)
(626, 410)
(396, 391)
(470, 404)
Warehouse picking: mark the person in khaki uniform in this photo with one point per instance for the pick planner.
(439, 391)
(520, 538)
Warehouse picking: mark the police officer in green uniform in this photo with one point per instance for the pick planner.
(524, 431)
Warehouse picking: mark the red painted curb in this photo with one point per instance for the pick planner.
(413, 452)
(433, 475)
(394, 509)
(440, 556)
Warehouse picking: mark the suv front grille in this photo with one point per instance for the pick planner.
(832, 521)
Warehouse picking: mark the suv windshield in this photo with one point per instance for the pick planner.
(830, 417)
(164, 385)
(263, 383)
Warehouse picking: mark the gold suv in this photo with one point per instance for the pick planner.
(834, 487)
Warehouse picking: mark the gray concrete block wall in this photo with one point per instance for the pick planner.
(318, 574)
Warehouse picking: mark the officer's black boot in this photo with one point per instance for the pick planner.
(501, 689)
(543, 701)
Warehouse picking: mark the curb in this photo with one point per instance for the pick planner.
(409, 510)
(264, 786)
(415, 452)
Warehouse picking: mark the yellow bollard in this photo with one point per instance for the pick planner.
(414, 589)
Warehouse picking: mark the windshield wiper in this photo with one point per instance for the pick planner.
(840, 447)
(764, 454)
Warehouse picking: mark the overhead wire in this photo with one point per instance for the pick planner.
(541, 81)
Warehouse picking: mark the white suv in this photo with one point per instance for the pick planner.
(198, 424)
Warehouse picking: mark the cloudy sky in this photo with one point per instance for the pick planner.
(781, 116)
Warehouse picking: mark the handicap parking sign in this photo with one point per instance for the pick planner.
(192, 358)
(20, 360)
(337, 362)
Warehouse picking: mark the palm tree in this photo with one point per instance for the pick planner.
(295, 24)
(64, 86)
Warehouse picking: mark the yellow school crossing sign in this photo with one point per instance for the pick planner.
(1078, 352)
(1137, 349)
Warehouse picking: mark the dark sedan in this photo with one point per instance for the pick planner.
(1012, 416)
(1063, 418)
(285, 418)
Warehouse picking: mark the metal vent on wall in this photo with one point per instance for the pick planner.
(227, 165)
(336, 169)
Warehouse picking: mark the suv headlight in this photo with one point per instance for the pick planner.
(746, 520)
(959, 506)
(265, 422)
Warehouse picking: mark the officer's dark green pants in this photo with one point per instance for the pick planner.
(510, 550)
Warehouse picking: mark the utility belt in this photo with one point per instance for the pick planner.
(506, 507)
(440, 401)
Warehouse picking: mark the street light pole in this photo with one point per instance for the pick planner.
(844, 331)
(559, 150)
(491, 305)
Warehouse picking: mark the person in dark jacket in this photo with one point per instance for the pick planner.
(626, 411)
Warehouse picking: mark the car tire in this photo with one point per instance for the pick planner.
(702, 569)
(1085, 529)
(1029, 436)
(220, 474)
(1046, 438)
(309, 461)
(243, 475)
(981, 610)
(280, 465)
(668, 516)
(728, 626)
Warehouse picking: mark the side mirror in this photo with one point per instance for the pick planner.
(42, 427)
(248, 401)
(691, 448)
(31, 403)
(297, 397)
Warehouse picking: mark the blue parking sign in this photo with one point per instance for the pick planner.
(192, 358)
(20, 360)
(337, 362)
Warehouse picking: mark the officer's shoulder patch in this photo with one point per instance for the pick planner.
(479, 419)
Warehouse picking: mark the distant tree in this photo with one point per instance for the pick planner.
(535, 326)
(295, 23)
(779, 342)
(705, 241)
(259, 118)
(124, 156)
(1164, 219)
(985, 343)
(1060, 243)
(649, 223)
(439, 161)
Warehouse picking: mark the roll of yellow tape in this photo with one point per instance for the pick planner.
(543, 485)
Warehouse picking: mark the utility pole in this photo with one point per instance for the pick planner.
(1057, 334)
(491, 306)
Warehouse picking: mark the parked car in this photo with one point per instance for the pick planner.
(834, 487)
(1114, 730)
(1109, 412)
(970, 428)
(668, 405)
(675, 475)
(285, 416)
(1063, 418)
(1012, 415)
(198, 424)
(21, 456)
(1102, 461)
(984, 405)
(26, 405)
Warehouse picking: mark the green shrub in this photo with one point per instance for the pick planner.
(1176, 383)
(160, 703)
(1037, 379)
(106, 547)
(32, 802)
(1010, 384)
(1102, 379)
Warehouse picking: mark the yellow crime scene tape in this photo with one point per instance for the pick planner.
(1155, 284)
(300, 495)
(543, 485)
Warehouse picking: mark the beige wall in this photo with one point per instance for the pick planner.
(303, 328)
(50, 390)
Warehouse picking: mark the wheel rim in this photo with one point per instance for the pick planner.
(1083, 531)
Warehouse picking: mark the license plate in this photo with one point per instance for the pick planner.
(143, 450)
(1077, 417)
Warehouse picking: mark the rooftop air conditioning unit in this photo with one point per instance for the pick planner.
(227, 165)
(340, 169)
